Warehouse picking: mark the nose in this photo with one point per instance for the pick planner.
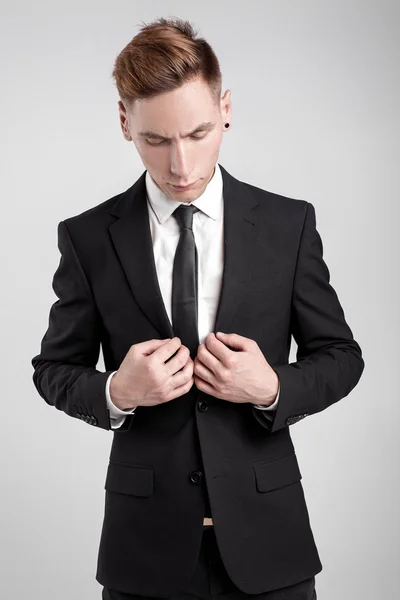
(180, 168)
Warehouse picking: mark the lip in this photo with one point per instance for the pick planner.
(179, 188)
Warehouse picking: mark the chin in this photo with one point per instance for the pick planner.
(188, 196)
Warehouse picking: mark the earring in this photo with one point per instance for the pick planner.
(226, 125)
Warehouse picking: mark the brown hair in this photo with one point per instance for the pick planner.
(164, 55)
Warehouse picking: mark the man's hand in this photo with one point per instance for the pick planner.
(240, 375)
(149, 376)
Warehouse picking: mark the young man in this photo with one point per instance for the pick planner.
(193, 283)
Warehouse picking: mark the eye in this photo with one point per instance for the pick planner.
(155, 144)
(194, 137)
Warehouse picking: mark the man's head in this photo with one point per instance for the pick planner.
(171, 108)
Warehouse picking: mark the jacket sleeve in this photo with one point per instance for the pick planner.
(65, 373)
(329, 361)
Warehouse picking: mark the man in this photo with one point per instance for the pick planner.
(193, 294)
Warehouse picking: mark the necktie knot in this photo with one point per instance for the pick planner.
(184, 216)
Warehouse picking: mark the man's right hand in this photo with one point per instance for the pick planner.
(145, 379)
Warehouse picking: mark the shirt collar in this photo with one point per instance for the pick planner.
(210, 202)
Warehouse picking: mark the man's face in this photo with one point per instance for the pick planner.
(163, 131)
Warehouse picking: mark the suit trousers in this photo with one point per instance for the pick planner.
(210, 581)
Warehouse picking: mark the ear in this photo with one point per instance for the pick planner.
(123, 119)
(226, 107)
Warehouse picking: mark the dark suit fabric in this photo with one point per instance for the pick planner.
(210, 580)
(167, 460)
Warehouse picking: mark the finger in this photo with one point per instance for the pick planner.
(182, 389)
(205, 357)
(178, 361)
(181, 377)
(166, 350)
(150, 346)
(205, 387)
(200, 370)
(218, 349)
(234, 340)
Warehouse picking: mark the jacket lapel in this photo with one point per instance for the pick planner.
(131, 237)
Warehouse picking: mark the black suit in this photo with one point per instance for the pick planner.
(164, 458)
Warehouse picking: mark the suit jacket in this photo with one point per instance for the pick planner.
(166, 461)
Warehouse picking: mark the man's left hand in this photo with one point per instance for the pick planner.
(240, 375)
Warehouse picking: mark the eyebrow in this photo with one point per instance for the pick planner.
(207, 125)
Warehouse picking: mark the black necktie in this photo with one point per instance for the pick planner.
(185, 282)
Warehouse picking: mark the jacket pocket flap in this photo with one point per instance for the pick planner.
(277, 473)
(127, 479)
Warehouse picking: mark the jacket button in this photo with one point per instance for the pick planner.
(202, 405)
(196, 476)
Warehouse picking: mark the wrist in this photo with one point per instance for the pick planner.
(272, 397)
(117, 397)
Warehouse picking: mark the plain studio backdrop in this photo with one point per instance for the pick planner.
(316, 99)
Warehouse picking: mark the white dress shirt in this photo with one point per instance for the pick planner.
(209, 237)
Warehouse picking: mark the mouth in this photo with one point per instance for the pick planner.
(180, 188)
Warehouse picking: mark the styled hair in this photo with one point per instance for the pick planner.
(164, 55)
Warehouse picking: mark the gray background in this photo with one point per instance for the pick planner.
(315, 92)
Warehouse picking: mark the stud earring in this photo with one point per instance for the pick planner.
(227, 125)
